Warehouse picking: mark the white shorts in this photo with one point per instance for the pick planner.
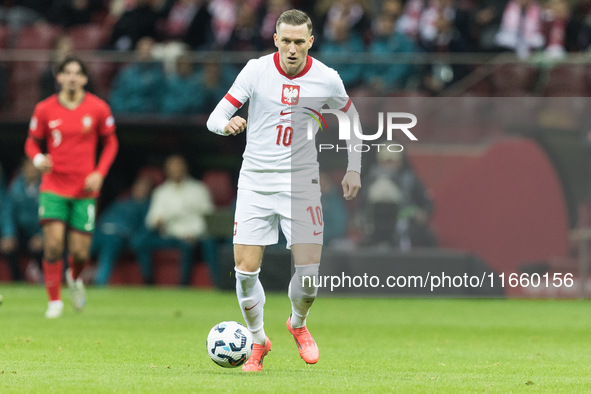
(258, 215)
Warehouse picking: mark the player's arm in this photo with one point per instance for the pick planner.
(351, 182)
(33, 143)
(94, 180)
(222, 120)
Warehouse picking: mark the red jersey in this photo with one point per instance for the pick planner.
(72, 139)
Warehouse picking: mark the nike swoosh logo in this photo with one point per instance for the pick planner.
(317, 233)
(54, 123)
(282, 113)
(247, 309)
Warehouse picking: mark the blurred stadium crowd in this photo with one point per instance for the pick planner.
(154, 64)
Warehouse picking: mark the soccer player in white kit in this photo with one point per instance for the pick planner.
(274, 188)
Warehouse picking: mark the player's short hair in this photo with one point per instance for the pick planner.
(61, 66)
(294, 18)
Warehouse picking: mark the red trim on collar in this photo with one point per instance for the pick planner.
(307, 67)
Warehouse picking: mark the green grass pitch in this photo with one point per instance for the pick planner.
(152, 340)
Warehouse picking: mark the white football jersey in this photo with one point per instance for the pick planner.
(276, 158)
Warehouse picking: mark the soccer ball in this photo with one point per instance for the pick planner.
(229, 344)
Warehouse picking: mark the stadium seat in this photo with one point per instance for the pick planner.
(567, 80)
(4, 37)
(37, 37)
(166, 267)
(201, 277)
(220, 186)
(23, 88)
(4, 270)
(126, 271)
(513, 80)
(88, 37)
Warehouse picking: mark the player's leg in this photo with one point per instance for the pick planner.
(53, 265)
(82, 222)
(251, 298)
(304, 236)
(302, 293)
(255, 226)
(79, 253)
(53, 214)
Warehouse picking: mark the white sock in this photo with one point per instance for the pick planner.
(251, 298)
(302, 292)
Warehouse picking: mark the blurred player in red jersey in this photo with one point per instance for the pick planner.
(71, 123)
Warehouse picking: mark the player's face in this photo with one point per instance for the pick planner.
(293, 43)
(72, 79)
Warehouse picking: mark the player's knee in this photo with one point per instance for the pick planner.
(53, 250)
(80, 255)
(246, 264)
(308, 259)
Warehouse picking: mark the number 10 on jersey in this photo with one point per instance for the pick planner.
(284, 135)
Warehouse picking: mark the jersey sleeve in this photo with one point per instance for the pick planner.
(242, 88)
(107, 122)
(339, 98)
(38, 124)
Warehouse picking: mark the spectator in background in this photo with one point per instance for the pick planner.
(385, 78)
(334, 211)
(578, 31)
(188, 21)
(350, 12)
(270, 13)
(138, 87)
(181, 86)
(555, 22)
(62, 48)
(214, 79)
(521, 27)
(246, 33)
(68, 13)
(22, 13)
(176, 218)
(485, 21)
(21, 231)
(409, 23)
(210, 82)
(397, 206)
(135, 24)
(199, 33)
(223, 19)
(341, 39)
(437, 25)
(121, 222)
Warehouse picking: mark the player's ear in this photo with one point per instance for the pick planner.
(275, 40)
(310, 42)
(84, 80)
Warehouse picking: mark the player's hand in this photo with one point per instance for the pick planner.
(8, 244)
(93, 182)
(236, 126)
(351, 184)
(45, 165)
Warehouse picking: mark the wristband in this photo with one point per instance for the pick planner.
(38, 159)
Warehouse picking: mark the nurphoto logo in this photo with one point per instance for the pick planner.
(395, 122)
